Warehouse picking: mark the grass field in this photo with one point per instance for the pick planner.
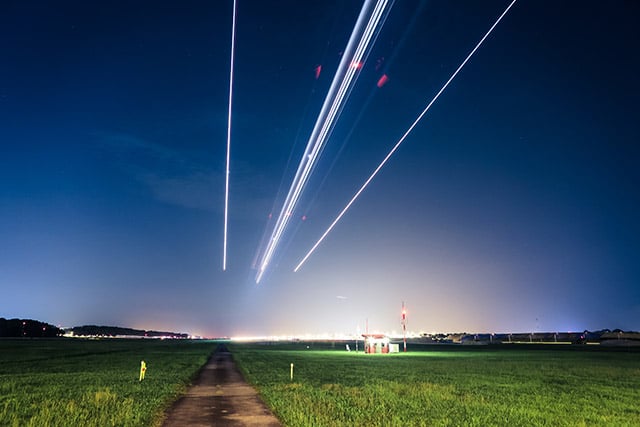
(447, 385)
(61, 382)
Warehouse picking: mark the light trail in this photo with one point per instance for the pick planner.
(401, 140)
(226, 183)
(357, 49)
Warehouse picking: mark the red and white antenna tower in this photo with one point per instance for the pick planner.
(404, 326)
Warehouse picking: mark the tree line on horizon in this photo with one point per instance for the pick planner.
(112, 331)
(29, 328)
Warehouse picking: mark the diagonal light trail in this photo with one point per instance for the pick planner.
(226, 183)
(358, 47)
(401, 140)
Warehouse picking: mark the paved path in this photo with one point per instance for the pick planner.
(220, 396)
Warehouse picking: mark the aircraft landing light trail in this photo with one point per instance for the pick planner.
(226, 185)
(401, 140)
(360, 42)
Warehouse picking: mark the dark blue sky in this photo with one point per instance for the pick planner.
(513, 205)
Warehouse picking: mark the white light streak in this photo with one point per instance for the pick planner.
(357, 48)
(395, 147)
(226, 183)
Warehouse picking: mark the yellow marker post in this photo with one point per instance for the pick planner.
(292, 372)
(143, 369)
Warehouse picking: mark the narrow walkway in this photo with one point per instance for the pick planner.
(220, 396)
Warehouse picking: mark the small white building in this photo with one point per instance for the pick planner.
(376, 343)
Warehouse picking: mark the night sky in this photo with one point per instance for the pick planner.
(513, 206)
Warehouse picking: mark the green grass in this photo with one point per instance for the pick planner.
(61, 382)
(447, 386)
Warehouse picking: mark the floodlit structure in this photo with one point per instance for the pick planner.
(376, 343)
